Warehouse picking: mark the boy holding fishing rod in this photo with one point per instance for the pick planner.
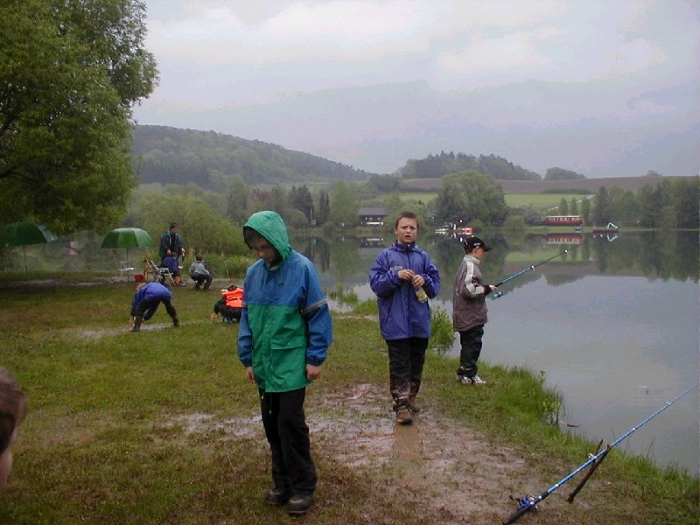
(469, 309)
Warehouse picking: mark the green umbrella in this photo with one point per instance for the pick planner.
(23, 233)
(127, 238)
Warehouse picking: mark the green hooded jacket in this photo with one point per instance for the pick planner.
(285, 320)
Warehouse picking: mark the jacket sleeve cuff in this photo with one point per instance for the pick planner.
(313, 361)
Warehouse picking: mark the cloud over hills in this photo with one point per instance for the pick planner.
(602, 88)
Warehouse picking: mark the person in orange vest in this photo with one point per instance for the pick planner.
(230, 305)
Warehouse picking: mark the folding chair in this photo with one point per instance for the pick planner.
(162, 275)
(125, 269)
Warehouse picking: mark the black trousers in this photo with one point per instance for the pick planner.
(406, 360)
(470, 351)
(293, 470)
(147, 308)
(201, 279)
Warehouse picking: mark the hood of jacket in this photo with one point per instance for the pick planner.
(270, 225)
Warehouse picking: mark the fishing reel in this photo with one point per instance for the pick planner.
(497, 294)
(527, 502)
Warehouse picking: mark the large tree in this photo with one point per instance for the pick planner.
(471, 196)
(70, 74)
(344, 204)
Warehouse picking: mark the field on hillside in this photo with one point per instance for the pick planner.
(541, 201)
(530, 186)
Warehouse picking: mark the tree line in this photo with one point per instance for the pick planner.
(211, 221)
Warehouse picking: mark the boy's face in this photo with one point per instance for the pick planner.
(263, 249)
(406, 230)
(479, 253)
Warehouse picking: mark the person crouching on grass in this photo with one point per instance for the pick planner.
(284, 334)
(469, 310)
(13, 409)
(146, 300)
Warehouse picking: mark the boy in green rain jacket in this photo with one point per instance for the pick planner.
(284, 335)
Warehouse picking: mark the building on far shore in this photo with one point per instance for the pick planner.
(371, 216)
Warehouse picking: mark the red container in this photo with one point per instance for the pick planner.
(138, 277)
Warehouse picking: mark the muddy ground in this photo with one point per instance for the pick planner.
(450, 473)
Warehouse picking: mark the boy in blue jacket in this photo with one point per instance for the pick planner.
(146, 300)
(402, 275)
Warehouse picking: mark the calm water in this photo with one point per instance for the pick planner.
(613, 324)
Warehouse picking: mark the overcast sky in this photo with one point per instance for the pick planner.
(606, 88)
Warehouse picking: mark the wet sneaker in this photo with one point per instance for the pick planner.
(299, 504)
(415, 407)
(404, 416)
(476, 380)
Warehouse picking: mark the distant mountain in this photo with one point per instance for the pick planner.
(169, 155)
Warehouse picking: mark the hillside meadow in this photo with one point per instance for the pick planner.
(161, 427)
(541, 201)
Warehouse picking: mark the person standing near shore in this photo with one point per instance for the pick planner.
(404, 277)
(283, 339)
(469, 310)
(171, 244)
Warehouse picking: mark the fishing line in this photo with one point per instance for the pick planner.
(498, 294)
(530, 502)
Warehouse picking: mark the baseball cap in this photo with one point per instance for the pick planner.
(474, 242)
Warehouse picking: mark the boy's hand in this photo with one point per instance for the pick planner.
(417, 280)
(249, 374)
(312, 372)
(406, 275)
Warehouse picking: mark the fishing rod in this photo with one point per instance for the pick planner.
(498, 294)
(530, 502)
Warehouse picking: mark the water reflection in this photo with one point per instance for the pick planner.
(613, 323)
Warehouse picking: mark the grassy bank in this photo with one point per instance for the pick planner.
(161, 427)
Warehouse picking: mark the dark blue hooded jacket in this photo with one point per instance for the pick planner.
(401, 315)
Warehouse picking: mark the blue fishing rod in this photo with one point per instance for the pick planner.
(530, 502)
(498, 294)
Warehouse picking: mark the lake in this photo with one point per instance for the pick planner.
(613, 323)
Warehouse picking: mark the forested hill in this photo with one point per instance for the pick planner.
(211, 160)
(168, 155)
(435, 166)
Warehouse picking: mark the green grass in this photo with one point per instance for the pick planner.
(108, 441)
(422, 196)
(541, 201)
